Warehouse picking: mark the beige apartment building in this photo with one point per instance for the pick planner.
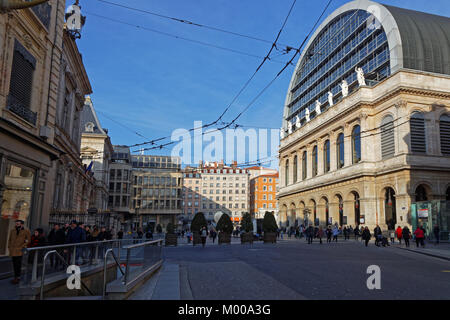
(219, 188)
(368, 156)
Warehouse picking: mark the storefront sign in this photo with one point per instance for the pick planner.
(422, 213)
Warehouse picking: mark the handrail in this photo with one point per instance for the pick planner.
(41, 293)
(132, 246)
(105, 267)
(73, 244)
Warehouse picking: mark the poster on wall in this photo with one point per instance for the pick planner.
(362, 219)
(422, 213)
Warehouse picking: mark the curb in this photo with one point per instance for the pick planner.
(426, 253)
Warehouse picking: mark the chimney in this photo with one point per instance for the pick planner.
(234, 165)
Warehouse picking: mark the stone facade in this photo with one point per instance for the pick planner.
(375, 187)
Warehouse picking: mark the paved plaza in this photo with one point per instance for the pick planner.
(292, 269)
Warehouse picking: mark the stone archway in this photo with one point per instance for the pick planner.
(339, 215)
(312, 206)
(301, 208)
(422, 192)
(324, 213)
(292, 218)
(283, 215)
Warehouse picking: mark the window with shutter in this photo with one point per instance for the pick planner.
(417, 128)
(444, 127)
(20, 88)
(387, 137)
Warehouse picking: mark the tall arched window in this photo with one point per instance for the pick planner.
(295, 168)
(387, 137)
(304, 165)
(314, 161)
(417, 132)
(286, 173)
(340, 150)
(356, 144)
(326, 156)
(444, 128)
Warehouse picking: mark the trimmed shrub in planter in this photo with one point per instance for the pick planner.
(198, 222)
(225, 228)
(270, 228)
(247, 226)
(171, 237)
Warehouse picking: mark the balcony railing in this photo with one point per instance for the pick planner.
(22, 111)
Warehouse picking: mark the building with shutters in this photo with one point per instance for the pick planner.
(30, 58)
(367, 156)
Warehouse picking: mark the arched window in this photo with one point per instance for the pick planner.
(304, 165)
(444, 127)
(340, 150)
(356, 144)
(417, 128)
(421, 194)
(387, 137)
(295, 168)
(326, 156)
(286, 173)
(314, 161)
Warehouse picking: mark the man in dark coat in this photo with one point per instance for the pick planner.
(377, 232)
(310, 234)
(56, 237)
(437, 233)
(75, 233)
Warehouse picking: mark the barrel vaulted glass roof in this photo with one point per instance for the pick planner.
(379, 39)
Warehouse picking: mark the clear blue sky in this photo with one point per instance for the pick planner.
(154, 84)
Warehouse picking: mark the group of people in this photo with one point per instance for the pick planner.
(75, 232)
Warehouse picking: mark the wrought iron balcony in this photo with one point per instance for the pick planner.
(21, 110)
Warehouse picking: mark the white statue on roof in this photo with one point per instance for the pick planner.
(297, 122)
(282, 133)
(344, 87)
(289, 127)
(360, 76)
(318, 105)
(330, 98)
(307, 114)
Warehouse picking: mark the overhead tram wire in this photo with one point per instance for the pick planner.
(191, 23)
(181, 38)
(260, 93)
(267, 57)
(122, 125)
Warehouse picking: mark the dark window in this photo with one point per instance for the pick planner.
(444, 127)
(356, 144)
(326, 156)
(387, 137)
(340, 150)
(295, 168)
(304, 165)
(21, 83)
(314, 161)
(286, 173)
(417, 128)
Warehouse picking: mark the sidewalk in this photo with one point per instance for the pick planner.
(8, 290)
(441, 250)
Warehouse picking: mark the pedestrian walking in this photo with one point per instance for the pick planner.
(19, 238)
(357, 232)
(437, 233)
(37, 240)
(120, 234)
(366, 235)
(399, 233)
(392, 235)
(329, 233)
(336, 232)
(213, 234)
(345, 233)
(56, 237)
(406, 235)
(203, 235)
(420, 236)
(310, 234)
(320, 234)
(74, 235)
(377, 234)
(149, 235)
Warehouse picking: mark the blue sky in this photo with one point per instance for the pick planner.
(154, 84)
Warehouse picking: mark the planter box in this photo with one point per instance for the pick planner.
(196, 238)
(224, 238)
(270, 237)
(171, 239)
(247, 237)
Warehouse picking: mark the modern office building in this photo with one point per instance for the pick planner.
(157, 190)
(120, 184)
(364, 151)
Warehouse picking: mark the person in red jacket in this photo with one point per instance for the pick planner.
(419, 237)
(398, 233)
